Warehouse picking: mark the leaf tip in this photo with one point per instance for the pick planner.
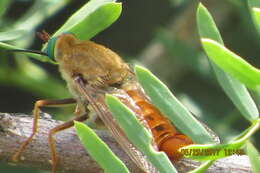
(200, 7)
(78, 126)
(200, 10)
(138, 68)
(141, 72)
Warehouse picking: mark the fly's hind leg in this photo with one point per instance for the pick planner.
(56, 129)
(36, 114)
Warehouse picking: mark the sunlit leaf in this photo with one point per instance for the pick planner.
(99, 150)
(171, 107)
(232, 63)
(131, 126)
(92, 18)
(235, 90)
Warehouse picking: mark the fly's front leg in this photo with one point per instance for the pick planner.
(36, 114)
(56, 129)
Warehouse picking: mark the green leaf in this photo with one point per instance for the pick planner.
(99, 150)
(235, 90)
(168, 104)
(254, 7)
(206, 25)
(131, 126)
(213, 151)
(232, 63)
(254, 157)
(92, 18)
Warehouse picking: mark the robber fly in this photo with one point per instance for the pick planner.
(92, 70)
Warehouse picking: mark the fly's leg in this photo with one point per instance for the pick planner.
(56, 129)
(81, 108)
(36, 114)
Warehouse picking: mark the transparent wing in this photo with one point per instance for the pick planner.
(214, 136)
(105, 115)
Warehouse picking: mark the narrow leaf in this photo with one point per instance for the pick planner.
(92, 18)
(99, 150)
(232, 63)
(171, 107)
(235, 90)
(138, 135)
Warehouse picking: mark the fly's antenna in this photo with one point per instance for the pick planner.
(29, 51)
(44, 36)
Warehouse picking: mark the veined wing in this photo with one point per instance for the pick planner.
(105, 115)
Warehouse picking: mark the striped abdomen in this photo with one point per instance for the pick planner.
(164, 133)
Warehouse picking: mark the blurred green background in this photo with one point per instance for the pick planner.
(161, 35)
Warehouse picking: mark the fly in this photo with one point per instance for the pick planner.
(91, 70)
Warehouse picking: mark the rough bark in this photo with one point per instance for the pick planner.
(15, 128)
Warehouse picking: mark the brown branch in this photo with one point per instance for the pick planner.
(15, 128)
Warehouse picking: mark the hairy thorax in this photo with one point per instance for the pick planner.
(99, 66)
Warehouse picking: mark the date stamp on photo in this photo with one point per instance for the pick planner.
(212, 152)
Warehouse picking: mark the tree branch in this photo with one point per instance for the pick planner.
(15, 128)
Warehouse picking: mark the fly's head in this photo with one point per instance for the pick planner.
(98, 65)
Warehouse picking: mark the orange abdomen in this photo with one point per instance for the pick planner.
(164, 133)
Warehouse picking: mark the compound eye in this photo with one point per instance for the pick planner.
(52, 43)
(49, 50)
